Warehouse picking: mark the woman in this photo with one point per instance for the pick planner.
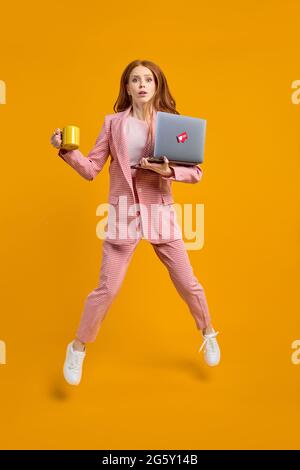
(128, 137)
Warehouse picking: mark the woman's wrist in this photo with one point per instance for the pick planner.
(62, 151)
(171, 173)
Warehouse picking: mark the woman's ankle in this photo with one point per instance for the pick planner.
(208, 329)
(78, 345)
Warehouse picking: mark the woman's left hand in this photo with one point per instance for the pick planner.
(162, 168)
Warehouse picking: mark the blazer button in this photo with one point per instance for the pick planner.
(138, 213)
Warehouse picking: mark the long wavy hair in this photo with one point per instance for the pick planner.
(162, 100)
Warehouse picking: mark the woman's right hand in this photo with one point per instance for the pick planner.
(56, 138)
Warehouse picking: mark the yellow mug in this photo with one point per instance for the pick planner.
(70, 138)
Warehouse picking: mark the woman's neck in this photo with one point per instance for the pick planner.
(138, 113)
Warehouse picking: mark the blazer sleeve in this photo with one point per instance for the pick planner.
(185, 174)
(89, 167)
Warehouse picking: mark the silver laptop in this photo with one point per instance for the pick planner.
(180, 138)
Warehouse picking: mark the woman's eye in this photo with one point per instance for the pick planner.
(147, 79)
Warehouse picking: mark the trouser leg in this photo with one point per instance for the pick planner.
(175, 257)
(115, 261)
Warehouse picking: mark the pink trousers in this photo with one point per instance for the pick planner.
(115, 261)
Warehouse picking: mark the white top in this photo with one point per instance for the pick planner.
(136, 135)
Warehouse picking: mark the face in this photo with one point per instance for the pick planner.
(141, 79)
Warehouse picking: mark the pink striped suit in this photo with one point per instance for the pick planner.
(146, 189)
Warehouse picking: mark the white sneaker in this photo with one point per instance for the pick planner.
(212, 352)
(73, 365)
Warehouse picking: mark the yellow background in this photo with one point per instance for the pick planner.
(144, 384)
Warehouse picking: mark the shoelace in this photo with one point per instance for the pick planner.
(75, 363)
(208, 337)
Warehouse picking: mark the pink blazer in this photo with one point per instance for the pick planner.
(150, 187)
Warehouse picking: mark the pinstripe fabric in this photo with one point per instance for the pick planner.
(150, 187)
(115, 261)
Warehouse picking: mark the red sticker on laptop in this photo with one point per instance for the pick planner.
(181, 137)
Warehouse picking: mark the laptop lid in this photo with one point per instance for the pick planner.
(180, 138)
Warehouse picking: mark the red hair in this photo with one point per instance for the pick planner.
(162, 99)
